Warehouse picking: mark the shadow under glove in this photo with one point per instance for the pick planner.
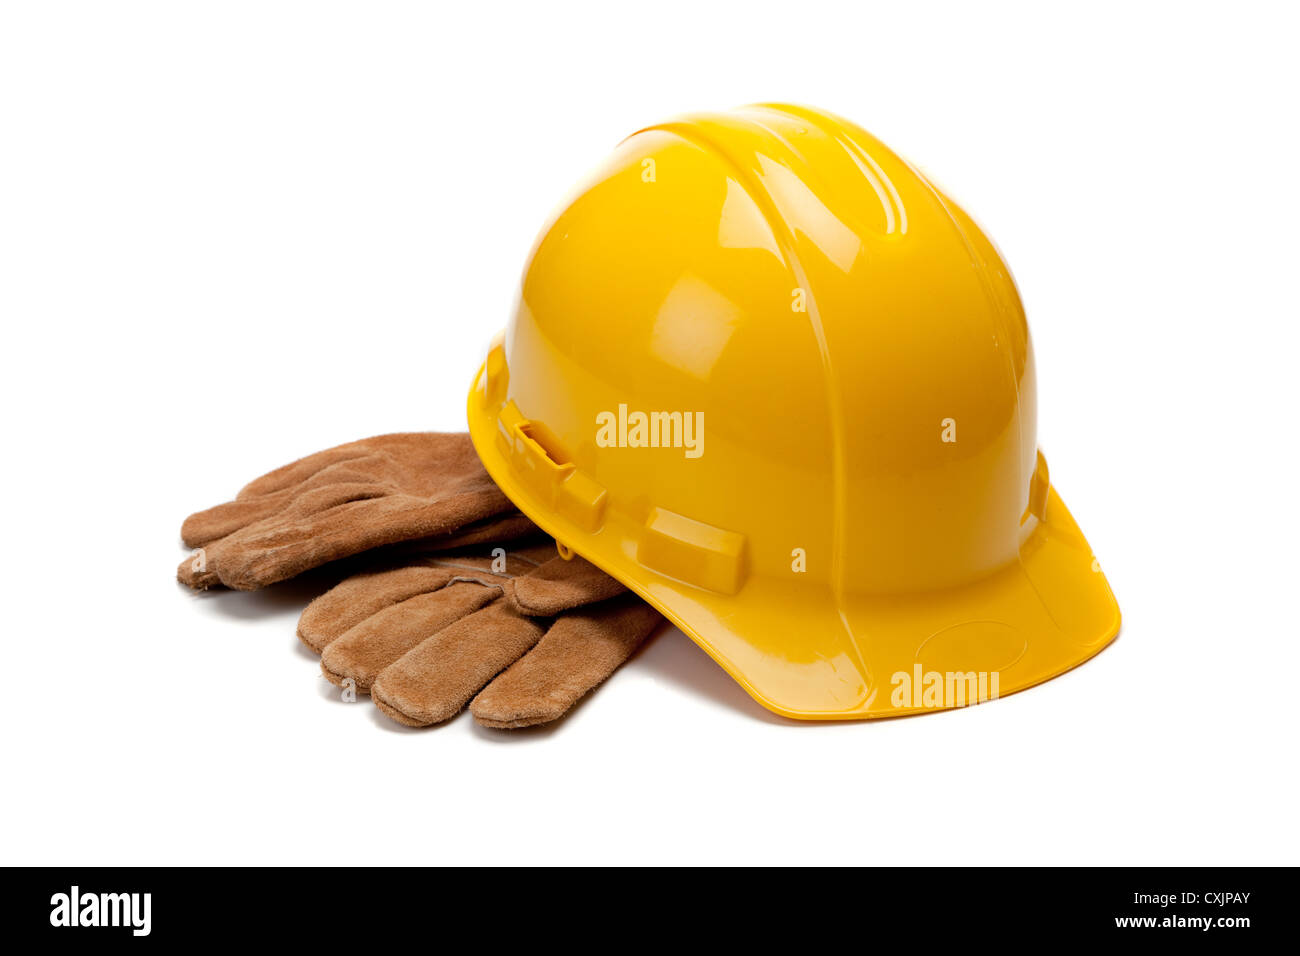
(524, 642)
(346, 500)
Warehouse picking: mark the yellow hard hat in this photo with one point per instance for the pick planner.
(767, 375)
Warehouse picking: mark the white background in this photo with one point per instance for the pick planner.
(233, 234)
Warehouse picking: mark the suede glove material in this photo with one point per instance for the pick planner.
(436, 624)
(521, 640)
(345, 500)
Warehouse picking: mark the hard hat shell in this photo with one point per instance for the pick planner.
(767, 375)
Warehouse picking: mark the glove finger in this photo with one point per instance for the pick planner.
(334, 485)
(559, 585)
(363, 651)
(350, 602)
(427, 464)
(201, 570)
(576, 655)
(364, 595)
(205, 572)
(299, 540)
(290, 476)
(361, 596)
(204, 527)
(434, 680)
(249, 507)
(197, 571)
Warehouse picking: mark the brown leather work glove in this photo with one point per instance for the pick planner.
(345, 500)
(524, 642)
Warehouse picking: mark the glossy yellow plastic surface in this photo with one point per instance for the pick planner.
(835, 489)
